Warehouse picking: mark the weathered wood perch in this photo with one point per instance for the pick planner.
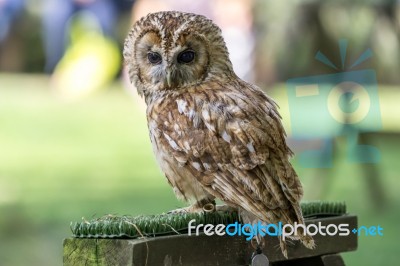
(208, 250)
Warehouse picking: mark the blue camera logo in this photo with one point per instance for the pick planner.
(325, 106)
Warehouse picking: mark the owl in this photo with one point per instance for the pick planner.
(213, 134)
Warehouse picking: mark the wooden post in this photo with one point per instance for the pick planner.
(208, 250)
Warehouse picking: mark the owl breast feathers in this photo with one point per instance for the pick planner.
(214, 135)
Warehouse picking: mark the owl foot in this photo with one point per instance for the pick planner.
(197, 207)
(190, 209)
(225, 208)
(211, 207)
(179, 211)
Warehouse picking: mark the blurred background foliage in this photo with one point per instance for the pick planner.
(66, 155)
(290, 34)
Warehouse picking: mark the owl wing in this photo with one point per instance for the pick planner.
(233, 142)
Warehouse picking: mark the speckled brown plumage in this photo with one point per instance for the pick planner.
(214, 135)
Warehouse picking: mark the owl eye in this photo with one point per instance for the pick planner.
(154, 58)
(186, 56)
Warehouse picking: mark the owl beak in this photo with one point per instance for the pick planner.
(169, 78)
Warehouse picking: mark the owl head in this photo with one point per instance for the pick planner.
(174, 50)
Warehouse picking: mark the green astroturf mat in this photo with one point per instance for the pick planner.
(112, 226)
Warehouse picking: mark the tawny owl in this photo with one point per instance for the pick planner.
(214, 135)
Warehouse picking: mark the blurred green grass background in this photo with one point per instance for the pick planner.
(60, 161)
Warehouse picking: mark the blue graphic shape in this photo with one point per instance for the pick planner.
(311, 119)
(325, 106)
(320, 157)
(343, 49)
(358, 153)
(364, 56)
(322, 58)
(348, 102)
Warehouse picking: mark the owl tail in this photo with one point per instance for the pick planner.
(306, 240)
(286, 218)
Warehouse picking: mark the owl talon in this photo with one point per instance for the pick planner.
(190, 209)
(208, 208)
(225, 208)
(179, 211)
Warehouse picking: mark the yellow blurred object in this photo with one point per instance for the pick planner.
(88, 65)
